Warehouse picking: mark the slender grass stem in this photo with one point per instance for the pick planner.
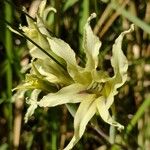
(9, 48)
(83, 15)
(112, 130)
(138, 115)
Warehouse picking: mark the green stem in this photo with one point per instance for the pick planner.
(9, 47)
(54, 137)
(57, 17)
(138, 115)
(83, 15)
(112, 130)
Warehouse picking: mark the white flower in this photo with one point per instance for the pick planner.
(92, 88)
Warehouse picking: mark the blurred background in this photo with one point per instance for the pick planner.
(51, 129)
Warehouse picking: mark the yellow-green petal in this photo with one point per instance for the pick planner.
(85, 112)
(63, 50)
(32, 101)
(69, 94)
(119, 61)
(91, 44)
(120, 65)
(42, 8)
(52, 72)
(104, 113)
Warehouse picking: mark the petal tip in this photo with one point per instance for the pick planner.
(93, 15)
(132, 27)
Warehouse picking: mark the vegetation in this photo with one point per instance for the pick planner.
(52, 128)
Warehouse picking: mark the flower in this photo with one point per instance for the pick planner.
(93, 89)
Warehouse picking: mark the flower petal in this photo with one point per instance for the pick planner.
(70, 94)
(91, 45)
(32, 81)
(85, 112)
(33, 104)
(119, 61)
(42, 7)
(63, 50)
(120, 65)
(104, 113)
(53, 72)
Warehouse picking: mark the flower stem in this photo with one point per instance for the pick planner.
(9, 48)
(112, 130)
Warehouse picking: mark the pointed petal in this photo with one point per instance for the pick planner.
(63, 50)
(70, 94)
(85, 112)
(104, 113)
(91, 45)
(120, 65)
(42, 7)
(119, 61)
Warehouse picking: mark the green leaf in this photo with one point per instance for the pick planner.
(141, 110)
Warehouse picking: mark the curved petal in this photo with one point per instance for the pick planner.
(33, 104)
(37, 53)
(119, 61)
(52, 71)
(85, 112)
(36, 36)
(42, 7)
(120, 65)
(63, 50)
(104, 113)
(91, 44)
(70, 94)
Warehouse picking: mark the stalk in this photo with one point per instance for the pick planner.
(9, 51)
(83, 15)
(138, 115)
(112, 129)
